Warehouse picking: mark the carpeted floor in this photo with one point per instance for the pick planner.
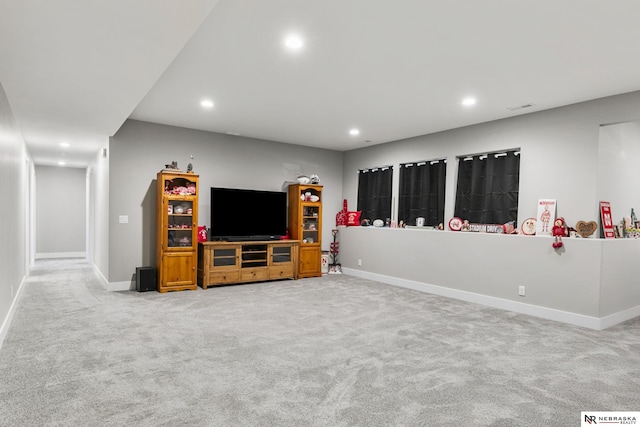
(331, 351)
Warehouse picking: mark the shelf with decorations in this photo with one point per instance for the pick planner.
(176, 230)
(305, 224)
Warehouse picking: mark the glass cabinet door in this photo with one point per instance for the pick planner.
(225, 257)
(180, 223)
(310, 228)
(281, 254)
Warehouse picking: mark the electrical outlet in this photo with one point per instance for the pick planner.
(359, 263)
(521, 291)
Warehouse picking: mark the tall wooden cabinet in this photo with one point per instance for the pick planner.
(177, 231)
(305, 225)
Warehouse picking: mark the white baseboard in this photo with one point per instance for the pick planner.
(619, 317)
(7, 320)
(517, 307)
(61, 255)
(120, 286)
(99, 275)
(113, 286)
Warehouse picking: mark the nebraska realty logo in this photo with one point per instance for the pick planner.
(609, 418)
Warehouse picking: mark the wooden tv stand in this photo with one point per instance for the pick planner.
(225, 263)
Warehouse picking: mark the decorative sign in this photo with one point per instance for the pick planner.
(455, 224)
(353, 218)
(546, 216)
(324, 263)
(586, 229)
(528, 227)
(488, 228)
(606, 220)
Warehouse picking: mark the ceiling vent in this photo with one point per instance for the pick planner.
(520, 107)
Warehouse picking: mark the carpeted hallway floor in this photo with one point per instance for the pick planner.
(331, 351)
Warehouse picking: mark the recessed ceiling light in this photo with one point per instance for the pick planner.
(206, 103)
(61, 163)
(354, 132)
(64, 144)
(294, 42)
(469, 101)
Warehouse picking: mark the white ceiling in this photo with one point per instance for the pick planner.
(76, 70)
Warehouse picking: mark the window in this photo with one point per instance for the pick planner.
(488, 188)
(422, 187)
(374, 193)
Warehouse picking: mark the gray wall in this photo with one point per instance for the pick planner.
(60, 211)
(618, 168)
(15, 170)
(560, 159)
(487, 264)
(140, 150)
(559, 154)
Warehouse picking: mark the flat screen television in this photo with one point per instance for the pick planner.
(239, 214)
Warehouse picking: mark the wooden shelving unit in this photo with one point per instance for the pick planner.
(176, 231)
(305, 224)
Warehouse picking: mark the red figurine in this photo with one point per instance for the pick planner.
(558, 231)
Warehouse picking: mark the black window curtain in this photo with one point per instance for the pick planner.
(374, 193)
(422, 188)
(488, 188)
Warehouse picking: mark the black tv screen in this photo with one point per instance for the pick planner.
(238, 214)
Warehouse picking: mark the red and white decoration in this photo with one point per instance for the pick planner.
(546, 216)
(341, 217)
(607, 220)
(347, 217)
(455, 224)
(528, 227)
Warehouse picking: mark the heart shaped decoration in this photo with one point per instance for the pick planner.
(586, 229)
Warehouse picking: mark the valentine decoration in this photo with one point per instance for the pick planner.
(528, 227)
(586, 229)
(188, 189)
(546, 216)
(558, 231)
